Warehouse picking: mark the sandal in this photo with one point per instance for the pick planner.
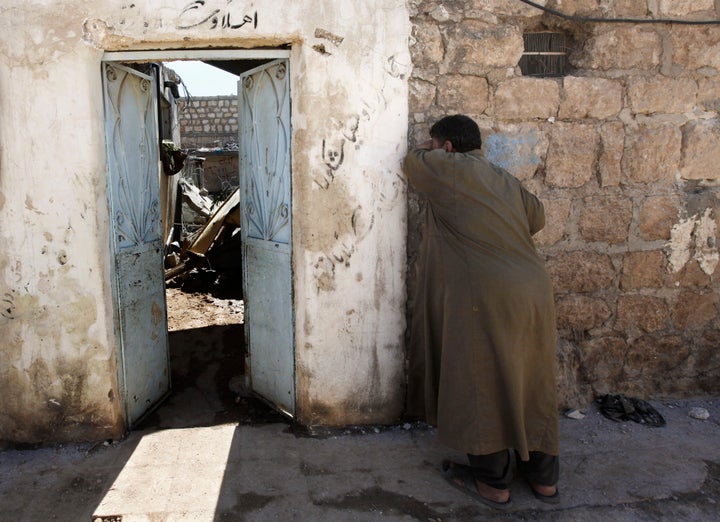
(461, 477)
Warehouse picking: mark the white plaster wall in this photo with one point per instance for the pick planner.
(58, 376)
(350, 220)
(349, 67)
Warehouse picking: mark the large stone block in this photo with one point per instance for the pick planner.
(708, 96)
(701, 156)
(557, 213)
(590, 98)
(426, 47)
(706, 361)
(581, 313)
(630, 8)
(696, 47)
(519, 149)
(526, 99)
(652, 153)
(463, 94)
(612, 146)
(690, 275)
(605, 219)
(580, 272)
(418, 134)
(506, 7)
(474, 46)
(446, 11)
(657, 216)
(662, 95)
(642, 270)
(602, 362)
(684, 7)
(648, 313)
(695, 309)
(571, 155)
(650, 357)
(578, 7)
(421, 95)
(620, 47)
(567, 365)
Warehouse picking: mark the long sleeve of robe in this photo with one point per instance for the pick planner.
(483, 334)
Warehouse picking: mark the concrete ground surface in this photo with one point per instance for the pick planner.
(210, 452)
(618, 471)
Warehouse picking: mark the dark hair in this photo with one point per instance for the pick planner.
(459, 130)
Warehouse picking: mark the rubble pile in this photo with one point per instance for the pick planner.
(207, 256)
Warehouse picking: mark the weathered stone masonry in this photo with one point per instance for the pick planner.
(625, 153)
(208, 121)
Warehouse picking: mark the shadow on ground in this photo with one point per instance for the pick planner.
(207, 377)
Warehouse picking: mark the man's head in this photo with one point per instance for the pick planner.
(462, 133)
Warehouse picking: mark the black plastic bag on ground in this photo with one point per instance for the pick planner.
(619, 408)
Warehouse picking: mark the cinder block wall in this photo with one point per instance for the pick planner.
(625, 153)
(208, 121)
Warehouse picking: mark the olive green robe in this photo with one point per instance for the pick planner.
(483, 334)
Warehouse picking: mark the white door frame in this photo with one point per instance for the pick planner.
(199, 55)
(195, 54)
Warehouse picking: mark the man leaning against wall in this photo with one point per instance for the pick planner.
(483, 335)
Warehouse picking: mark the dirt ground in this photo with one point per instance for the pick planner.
(187, 310)
(207, 358)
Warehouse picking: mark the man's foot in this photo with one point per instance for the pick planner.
(461, 477)
(548, 494)
(499, 496)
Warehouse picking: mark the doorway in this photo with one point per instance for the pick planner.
(226, 363)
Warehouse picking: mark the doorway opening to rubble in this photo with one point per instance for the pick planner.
(209, 261)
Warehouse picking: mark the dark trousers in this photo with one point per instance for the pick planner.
(496, 471)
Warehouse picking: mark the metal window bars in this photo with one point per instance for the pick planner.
(545, 54)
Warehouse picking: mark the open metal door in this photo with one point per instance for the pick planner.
(133, 184)
(265, 200)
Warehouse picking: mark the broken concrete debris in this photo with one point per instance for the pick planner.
(699, 413)
(210, 240)
(574, 414)
(197, 205)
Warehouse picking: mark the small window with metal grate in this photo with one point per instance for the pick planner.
(545, 54)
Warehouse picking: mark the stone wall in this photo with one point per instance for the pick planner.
(208, 121)
(624, 152)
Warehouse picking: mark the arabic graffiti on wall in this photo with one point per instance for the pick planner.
(387, 188)
(333, 150)
(198, 14)
(7, 305)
